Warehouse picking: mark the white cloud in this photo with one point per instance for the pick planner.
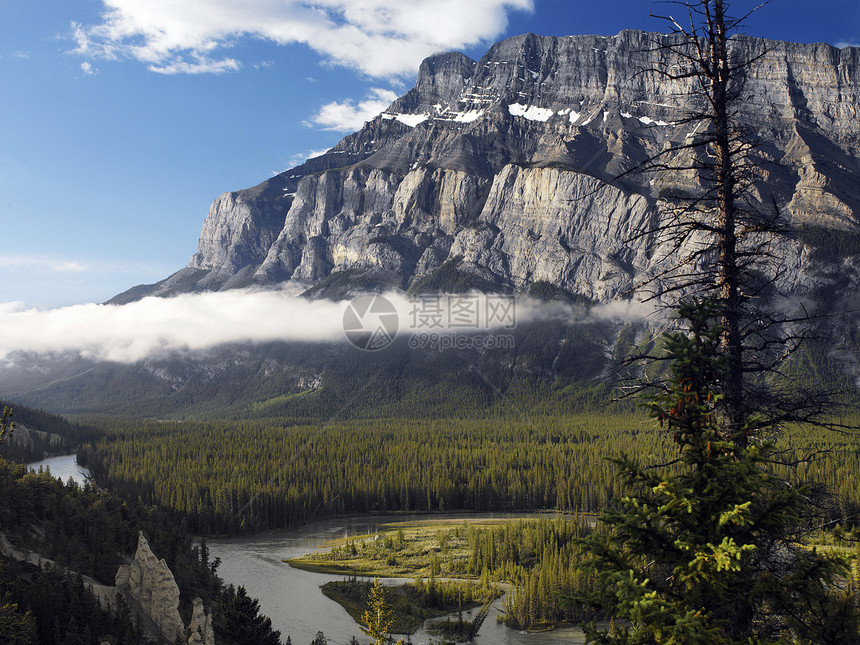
(153, 326)
(88, 69)
(201, 65)
(349, 117)
(381, 38)
(848, 43)
(156, 326)
(625, 311)
(12, 307)
(302, 157)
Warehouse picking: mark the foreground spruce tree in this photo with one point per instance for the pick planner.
(709, 549)
(713, 548)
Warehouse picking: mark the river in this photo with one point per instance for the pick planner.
(292, 597)
(63, 467)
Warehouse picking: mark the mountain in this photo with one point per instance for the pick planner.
(500, 175)
(506, 169)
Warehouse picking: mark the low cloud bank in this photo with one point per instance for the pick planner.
(624, 311)
(157, 326)
(132, 332)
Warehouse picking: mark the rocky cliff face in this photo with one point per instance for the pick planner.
(502, 165)
(148, 586)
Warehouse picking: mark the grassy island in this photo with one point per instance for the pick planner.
(425, 548)
(456, 564)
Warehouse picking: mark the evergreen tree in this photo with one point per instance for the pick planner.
(73, 633)
(5, 423)
(708, 549)
(16, 627)
(726, 234)
(378, 618)
(240, 623)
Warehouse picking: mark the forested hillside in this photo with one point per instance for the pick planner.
(88, 532)
(40, 433)
(233, 476)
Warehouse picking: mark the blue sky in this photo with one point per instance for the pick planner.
(121, 120)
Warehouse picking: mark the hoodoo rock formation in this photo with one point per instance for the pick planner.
(148, 585)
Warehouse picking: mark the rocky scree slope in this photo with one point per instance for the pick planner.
(501, 165)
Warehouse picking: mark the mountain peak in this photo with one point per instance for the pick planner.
(499, 164)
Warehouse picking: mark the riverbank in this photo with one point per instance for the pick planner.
(536, 556)
(291, 597)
